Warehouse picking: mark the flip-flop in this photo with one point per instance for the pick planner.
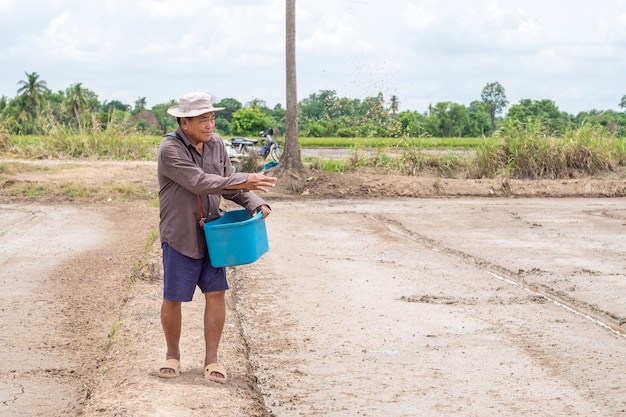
(217, 368)
(173, 364)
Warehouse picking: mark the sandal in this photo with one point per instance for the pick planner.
(170, 365)
(218, 369)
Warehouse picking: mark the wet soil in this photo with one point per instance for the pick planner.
(380, 295)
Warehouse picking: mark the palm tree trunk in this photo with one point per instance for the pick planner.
(77, 117)
(290, 159)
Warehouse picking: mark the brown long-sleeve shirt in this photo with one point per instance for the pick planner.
(183, 175)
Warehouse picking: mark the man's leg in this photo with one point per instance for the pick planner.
(214, 317)
(171, 321)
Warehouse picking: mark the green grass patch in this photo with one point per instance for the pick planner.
(76, 191)
(30, 190)
(437, 143)
(152, 237)
(115, 329)
(90, 145)
(329, 165)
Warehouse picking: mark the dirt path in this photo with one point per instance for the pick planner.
(438, 306)
(63, 269)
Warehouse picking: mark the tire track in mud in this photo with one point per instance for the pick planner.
(591, 312)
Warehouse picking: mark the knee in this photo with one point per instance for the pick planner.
(169, 307)
(215, 295)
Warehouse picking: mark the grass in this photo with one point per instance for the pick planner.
(71, 191)
(514, 151)
(378, 143)
(114, 146)
(144, 267)
(531, 152)
(114, 332)
(152, 237)
(328, 165)
(92, 145)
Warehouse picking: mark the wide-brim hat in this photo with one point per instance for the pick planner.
(193, 104)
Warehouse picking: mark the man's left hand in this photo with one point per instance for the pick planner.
(265, 210)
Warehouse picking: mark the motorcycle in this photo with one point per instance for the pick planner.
(243, 148)
(233, 155)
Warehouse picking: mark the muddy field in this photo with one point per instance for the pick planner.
(380, 295)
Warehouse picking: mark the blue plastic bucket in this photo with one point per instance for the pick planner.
(236, 238)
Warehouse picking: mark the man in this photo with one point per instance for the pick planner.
(194, 173)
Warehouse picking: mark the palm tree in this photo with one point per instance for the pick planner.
(33, 90)
(140, 104)
(290, 160)
(394, 104)
(76, 101)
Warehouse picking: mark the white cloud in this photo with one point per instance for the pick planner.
(420, 50)
(417, 18)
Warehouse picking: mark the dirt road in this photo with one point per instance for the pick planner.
(366, 307)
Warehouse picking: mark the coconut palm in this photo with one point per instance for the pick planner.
(291, 156)
(394, 104)
(76, 101)
(33, 90)
(140, 104)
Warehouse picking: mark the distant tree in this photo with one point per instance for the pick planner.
(76, 101)
(109, 106)
(394, 104)
(314, 106)
(17, 115)
(279, 116)
(140, 104)
(249, 121)
(494, 95)
(612, 121)
(545, 111)
(411, 123)
(479, 119)
(166, 122)
(230, 105)
(373, 109)
(256, 103)
(34, 91)
(449, 119)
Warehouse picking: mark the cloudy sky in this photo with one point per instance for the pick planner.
(570, 51)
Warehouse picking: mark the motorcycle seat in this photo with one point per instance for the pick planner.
(243, 141)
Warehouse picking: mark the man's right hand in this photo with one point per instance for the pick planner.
(255, 182)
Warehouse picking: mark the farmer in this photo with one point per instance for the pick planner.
(194, 172)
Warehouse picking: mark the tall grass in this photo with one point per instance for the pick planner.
(516, 150)
(119, 141)
(530, 151)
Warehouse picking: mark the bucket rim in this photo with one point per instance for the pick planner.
(258, 216)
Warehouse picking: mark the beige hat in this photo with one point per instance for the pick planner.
(193, 104)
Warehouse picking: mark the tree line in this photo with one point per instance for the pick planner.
(38, 110)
